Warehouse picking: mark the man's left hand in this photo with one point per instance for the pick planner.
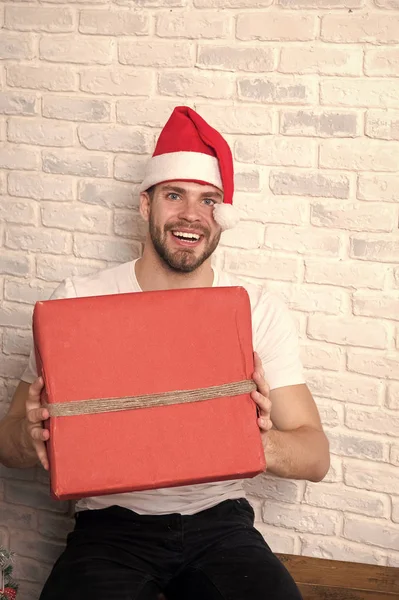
(261, 396)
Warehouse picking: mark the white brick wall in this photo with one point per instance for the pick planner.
(307, 94)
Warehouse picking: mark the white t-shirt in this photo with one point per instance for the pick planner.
(274, 339)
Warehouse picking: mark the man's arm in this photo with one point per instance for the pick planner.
(22, 435)
(293, 439)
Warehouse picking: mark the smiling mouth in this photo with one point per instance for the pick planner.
(184, 236)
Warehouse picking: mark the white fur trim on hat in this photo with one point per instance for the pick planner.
(184, 166)
(226, 216)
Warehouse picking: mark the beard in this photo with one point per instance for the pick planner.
(184, 260)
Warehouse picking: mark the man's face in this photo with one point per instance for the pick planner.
(181, 224)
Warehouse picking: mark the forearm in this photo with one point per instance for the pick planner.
(16, 447)
(299, 454)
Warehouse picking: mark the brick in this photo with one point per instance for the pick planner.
(205, 85)
(232, 3)
(246, 234)
(17, 341)
(256, 264)
(393, 396)
(12, 366)
(246, 179)
(183, 25)
(384, 305)
(15, 103)
(14, 263)
(395, 510)
(312, 299)
(352, 216)
(128, 168)
(344, 274)
(378, 187)
(231, 58)
(41, 132)
(76, 218)
(321, 356)
(19, 157)
(347, 331)
(383, 125)
(373, 421)
(382, 61)
(358, 154)
(150, 114)
(16, 46)
(301, 518)
(84, 50)
(42, 240)
(47, 77)
(309, 184)
(331, 413)
(110, 22)
(54, 268)
(278, 542)
(302, 241)
(346, 387)
(365, 475)
(285, 210)
(372, 28)
(35, 18)
(118, 82)
(28, 569)
(40, 186)
(277, 27)
(76, 109)
(130, 224)
(105, 248)
(358, 92)
(55, 526)
(272, 488)
(275, 151)
(257, 120)
(33, 495)
(321, 3)
(339, 497)
(15, 210)
(114, 138)
(357, 446)
(376, 533)
(156, 54)
(377, 247)
(317, 123)
(78, 2)
(18, 517)
(108, 193)
(76, 162)
(376, 365)
(32, 545)
(278, 90)
(339, 549)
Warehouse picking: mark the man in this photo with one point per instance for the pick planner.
(193, 542)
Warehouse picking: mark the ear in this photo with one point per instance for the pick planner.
(145, 203)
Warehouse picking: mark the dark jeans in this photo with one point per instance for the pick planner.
(116, 554)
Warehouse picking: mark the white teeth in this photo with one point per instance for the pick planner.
(188, 236)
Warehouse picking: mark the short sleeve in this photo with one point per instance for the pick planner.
(64, 290)
(276, 342)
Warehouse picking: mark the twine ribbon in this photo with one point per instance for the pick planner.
(102, 405)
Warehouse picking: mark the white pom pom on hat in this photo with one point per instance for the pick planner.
(188, 149)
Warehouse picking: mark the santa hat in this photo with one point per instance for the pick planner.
(188, 149)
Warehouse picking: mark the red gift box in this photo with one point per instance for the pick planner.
(129, 345)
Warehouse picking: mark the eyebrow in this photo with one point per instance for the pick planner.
(175, 188)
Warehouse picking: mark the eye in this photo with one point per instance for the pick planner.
(173, 196)
(209, 202)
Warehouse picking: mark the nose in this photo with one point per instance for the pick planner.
(189, 210)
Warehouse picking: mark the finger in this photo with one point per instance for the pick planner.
(38, 434)
(34, 393)
(265, 424)
(261, 384)
(263, 403)
(42, 454)
(37, 415)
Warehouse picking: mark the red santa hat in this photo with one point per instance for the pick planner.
(188, 149)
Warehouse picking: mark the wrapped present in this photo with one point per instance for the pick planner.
(148, 390)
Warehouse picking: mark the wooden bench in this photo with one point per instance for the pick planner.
(321, 579)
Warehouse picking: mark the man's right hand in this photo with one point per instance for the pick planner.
(35, 416)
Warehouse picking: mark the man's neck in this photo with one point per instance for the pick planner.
(153, 274)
